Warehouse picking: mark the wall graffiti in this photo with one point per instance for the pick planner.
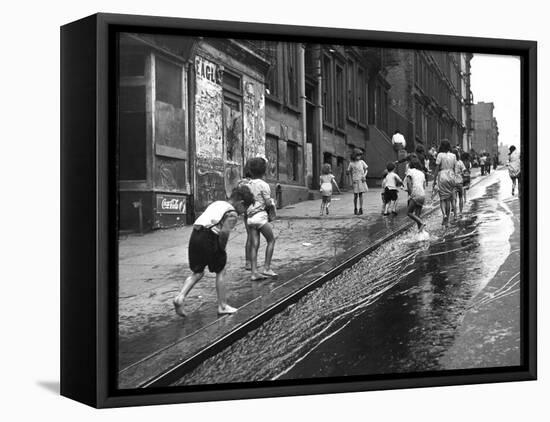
(208, 106)
(254, 118)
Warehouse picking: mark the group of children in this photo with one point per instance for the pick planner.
(252, 197)
(415, 184)
(208, 241)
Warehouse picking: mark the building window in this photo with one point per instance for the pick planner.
(327, 90)
(362, 95)
(351, 90)
(339, 96)
(292, 161)
(273, 50)
(292, 73)
(231, 82)
(168, 82)
(132, 132)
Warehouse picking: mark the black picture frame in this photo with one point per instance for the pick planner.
(88, 211)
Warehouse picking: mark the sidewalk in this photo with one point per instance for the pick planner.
(152, 268)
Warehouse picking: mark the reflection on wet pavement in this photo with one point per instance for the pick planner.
(395, 311)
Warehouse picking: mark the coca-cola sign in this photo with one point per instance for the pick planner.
(170, 204)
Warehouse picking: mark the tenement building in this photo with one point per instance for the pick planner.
(485, 137)
(192, 110)
(430, 93)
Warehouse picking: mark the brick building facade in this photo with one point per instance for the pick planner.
(192, 110)
(430, 92)
(485, 138)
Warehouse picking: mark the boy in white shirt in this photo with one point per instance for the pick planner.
(390, 185)
(207, 245)
(416, 186)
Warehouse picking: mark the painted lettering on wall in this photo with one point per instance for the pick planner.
(208, 70)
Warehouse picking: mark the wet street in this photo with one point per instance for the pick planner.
(411, 305)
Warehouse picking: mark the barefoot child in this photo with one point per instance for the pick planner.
(257, 219)
(357, 170)
(416, 184)
(327, 179)
(207, 245)
(390, 185)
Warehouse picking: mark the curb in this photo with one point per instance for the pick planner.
(171, 375)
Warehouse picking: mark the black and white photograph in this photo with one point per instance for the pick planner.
(281, 211)
(297, 210)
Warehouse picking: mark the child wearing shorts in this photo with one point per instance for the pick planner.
(327, 179)
(416, 187)
(390, 186)
(207, 245)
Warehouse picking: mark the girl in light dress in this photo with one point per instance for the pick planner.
(327, 180)
(357, 170)
(444, 179)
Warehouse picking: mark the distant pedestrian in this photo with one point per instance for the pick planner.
(257, 219)
(482, 160)
(327, 180)
(444, 179)
(415, 182)
(358, 170)
(460, 169)
(390, 186)
(488, 163)
(398, 140)
(208, 242)
(514, 168)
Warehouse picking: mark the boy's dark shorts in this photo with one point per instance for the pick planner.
(389, 195)
(205, 250)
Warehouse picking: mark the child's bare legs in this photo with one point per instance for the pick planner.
(322, 207)
(267, 232)
(514, 180)
(254, 246)
(413, 214)
(247, 265)
(460, 195)
(360, 202)
(187, 286)
(327, 205)
(223, 307)
(393, 206)
(355, 195)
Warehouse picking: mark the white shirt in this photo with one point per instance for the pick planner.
(212, 216)
(397, 138)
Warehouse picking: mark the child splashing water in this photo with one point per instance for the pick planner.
(390, 186)
(415, 181)
(327, 179)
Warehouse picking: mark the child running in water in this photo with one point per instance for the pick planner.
(327, 179)
(207, 245)
(416, 184)
(357, 170)
(390, 185)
